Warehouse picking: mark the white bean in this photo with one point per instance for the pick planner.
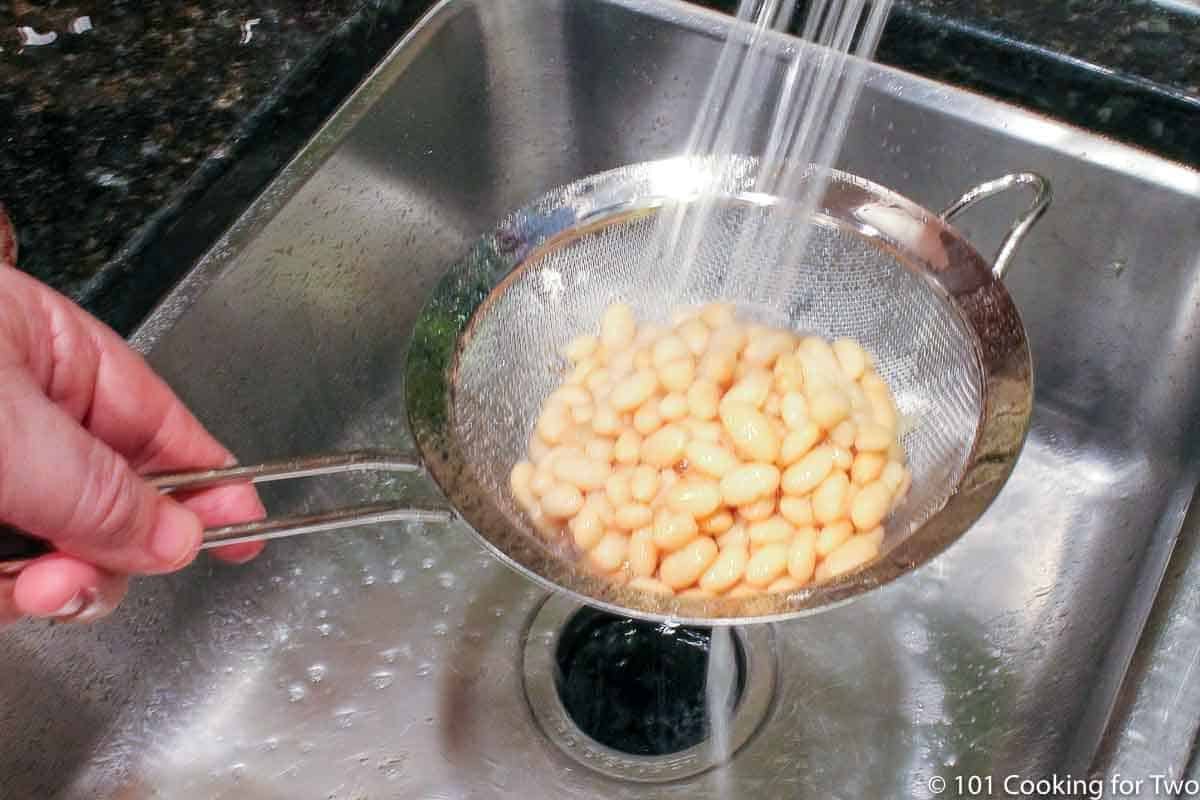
(748, 483)
(694, 334)
(617, 327)
(618, 488)
(673, 530)
(643, 484)
(794, 410)
(758, 510)
(807, 473)
(586, 528)
(852, 554)
(633, 391)
(554, 423)
(831, 537)
(646, 420)
(562, 501)
(798, 443)
(828, 406)
(843, 434)
(751, 390)
(726, 570)
(696, 496)
(684, 567)
(829, 499)
(872, 436)
(609, 553)
(851, 358)
(783, 585)
(518, 481)
(665, 447)
(646, 584)
(703, 398)
(583, 472)
(668, 349)
(599, 449)
(788, 374)
(767, 564)
(643, 553)
(677, 375)
(710, 459)
(893, 475)
(605, 420)
(717, 524)
(628, 447)
(765, 349)
(580, 348)
(796, 510)
(802, 555)
(632, 516)
(751, 432)
(774, 530)
(735, 535)
(871, 505)
(543, 480)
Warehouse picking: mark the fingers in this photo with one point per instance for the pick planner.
(225, 505)
(64, 588)
(90, 376)
(64, 485)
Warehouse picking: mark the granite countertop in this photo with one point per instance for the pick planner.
(135, 132)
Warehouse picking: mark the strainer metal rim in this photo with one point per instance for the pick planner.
(916, 237)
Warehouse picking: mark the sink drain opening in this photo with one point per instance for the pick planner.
(632, 699)
(637, 687)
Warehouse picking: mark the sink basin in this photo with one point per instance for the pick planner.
(393, 661)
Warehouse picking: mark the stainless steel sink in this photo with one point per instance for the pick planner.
(391, 662)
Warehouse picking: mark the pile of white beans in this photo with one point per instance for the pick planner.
(715, 457)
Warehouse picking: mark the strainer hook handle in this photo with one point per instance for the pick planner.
(17, 548)
(1016, 233)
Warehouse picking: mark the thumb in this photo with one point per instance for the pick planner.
(60, 483)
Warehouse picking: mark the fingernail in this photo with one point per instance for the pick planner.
(176, 536)
(71, 607)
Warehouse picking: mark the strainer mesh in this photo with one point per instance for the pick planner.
(842, 285)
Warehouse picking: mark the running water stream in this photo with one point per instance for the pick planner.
(805, 115)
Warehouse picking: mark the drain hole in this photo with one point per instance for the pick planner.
(638, 687)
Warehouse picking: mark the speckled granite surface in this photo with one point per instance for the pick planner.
(134, 132)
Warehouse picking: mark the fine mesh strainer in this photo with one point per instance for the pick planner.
(943, 330)
(486, 351)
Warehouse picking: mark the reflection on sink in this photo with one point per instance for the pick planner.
(385, 662)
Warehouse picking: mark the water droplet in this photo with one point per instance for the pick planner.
(446, 580)
(427, 563)
(324, 629)
(344, 718)
(440, 629)
(237, 770)
(396, 576)
(271, 744)
(307, 747)
(323, 613)
(368, 580)
(424, 670)
(296, 693)
(382, 679)
(316, 673)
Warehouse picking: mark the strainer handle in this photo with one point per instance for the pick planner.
(17, 548)
(1016, 233)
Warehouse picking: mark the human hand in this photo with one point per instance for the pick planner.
(81, 416)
